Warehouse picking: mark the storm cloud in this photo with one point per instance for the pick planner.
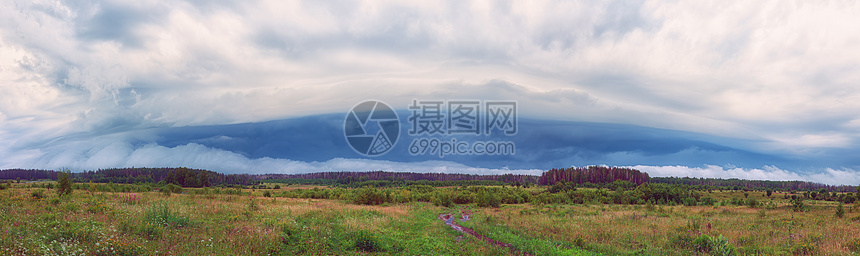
(771, 80)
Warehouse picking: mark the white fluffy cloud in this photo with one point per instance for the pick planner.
(107, 153)
(828, 176)
(779, 74)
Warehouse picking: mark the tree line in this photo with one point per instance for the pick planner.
(593, 174)
(349, 177)
(181, 176)
(740, 184)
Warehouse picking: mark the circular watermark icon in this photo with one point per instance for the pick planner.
(371, 128)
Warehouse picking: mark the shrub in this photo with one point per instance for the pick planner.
(370, 196)
(38, 194)
(721, 246)
(267, 194)
(277, 186)
(840, 211)
(442, 199)
(797, 205)
(366, 241)
(160, 215)
(176, 189)
(689, 201)
(64, 182)
(252, 205)
(708, 201)
(704, 243)
(752, 203)
(488, 199)
(579, 242)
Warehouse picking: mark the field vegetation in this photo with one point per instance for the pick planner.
(282, 218)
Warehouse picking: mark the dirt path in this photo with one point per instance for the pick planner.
(465, 215)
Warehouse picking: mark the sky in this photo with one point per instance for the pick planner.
(732, 89)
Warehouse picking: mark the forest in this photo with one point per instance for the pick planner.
(590, 176)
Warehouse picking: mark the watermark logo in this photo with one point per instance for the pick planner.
(371, 128)
(431, 120)
(438, 117)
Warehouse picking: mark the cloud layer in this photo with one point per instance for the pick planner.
(774, 77)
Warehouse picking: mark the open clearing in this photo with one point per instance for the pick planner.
(152, 223)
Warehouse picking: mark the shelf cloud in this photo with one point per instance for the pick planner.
(85, 83)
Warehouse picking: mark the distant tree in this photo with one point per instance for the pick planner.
(171, 177)
(769, 192)
(840, 211)
(204, 179)
(64, 181)
(798, 205)
(746, 194)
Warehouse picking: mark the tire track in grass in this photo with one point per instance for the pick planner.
(448, 218)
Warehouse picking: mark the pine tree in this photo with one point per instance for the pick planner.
(64, 181)
(840, 211)
(204, 179)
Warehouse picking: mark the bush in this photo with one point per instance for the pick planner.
(64, 182)
(176, 189)
(708, 201)
(721, 246)
(704, 243)
(267, 194)
(366, 241)
(370, 196)
(689, 201)
(488, 199)
(797, 205)
(752, 203)
(442, 199)
(38, 194)
(252, 205)
(840, 211)
(160, 215)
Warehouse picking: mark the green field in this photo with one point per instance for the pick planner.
(36, 221)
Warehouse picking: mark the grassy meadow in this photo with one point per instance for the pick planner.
(36, 221)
